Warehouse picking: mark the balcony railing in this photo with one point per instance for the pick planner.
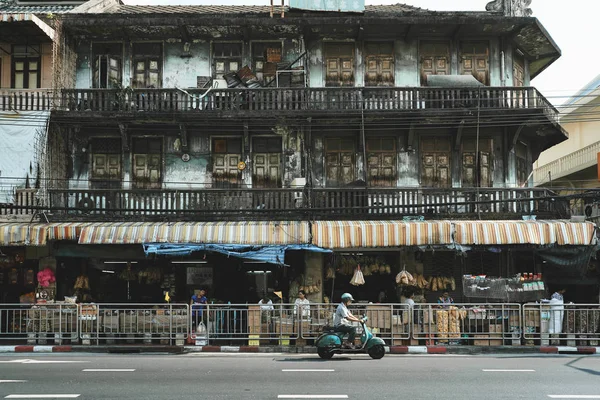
(569, 164)
(27, 99)
(298, 204)
(277, 99)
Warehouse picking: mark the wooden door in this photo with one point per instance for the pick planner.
(147, 73)
(435, 162)
(266, 167)
(339, 162)
(381, 155)
(518, 71)
(147, 171)
(147, 163)
(227, 154)
(379, 69)
(106, 171)
(435, 60)
(475, 60)
(477, 169)
(339, 62)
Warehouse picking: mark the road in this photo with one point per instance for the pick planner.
(285, 376)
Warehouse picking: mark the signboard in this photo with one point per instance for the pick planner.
(357, 6)
(201, 276)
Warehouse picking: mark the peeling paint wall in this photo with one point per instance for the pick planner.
(316, 64)
(181, 70)
(407, 63)
(83, 79)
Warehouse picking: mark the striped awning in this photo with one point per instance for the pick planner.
(22, 234)
(65, 231)
(248, 232)
(524, 232)
(368, 234)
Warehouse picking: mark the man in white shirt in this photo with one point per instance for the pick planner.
(342, 319)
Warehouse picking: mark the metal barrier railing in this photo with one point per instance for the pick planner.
(130, 322)
(38, 322)
(476, 324)
(561, 324)
(472, 323)
(243, 322)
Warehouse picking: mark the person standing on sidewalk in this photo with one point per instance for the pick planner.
(198, 303)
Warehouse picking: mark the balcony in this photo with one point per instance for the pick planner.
(567, 165)
(292, 100)
(295, 204)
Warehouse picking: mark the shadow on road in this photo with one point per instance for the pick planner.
(315, 359)
(586, 370)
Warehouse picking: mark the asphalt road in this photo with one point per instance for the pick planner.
(284, 376)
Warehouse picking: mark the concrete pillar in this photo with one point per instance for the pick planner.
(313, 272)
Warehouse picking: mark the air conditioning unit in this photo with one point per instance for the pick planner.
(592, 210)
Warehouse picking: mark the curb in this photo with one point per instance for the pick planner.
(569, 350)
(36, 349)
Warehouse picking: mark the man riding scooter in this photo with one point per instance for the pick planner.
(342, 319)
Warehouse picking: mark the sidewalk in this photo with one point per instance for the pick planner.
(463, 350)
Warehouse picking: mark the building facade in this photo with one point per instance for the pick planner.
(395, 136)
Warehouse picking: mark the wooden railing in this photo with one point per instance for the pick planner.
(26, 99)
(275, 99)
(304, 99)
(302, 203)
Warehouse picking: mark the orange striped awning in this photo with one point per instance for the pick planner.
(248, 232)
(368, 234)
(524, 232)
(22, 234)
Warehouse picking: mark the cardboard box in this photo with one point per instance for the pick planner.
(481, 340)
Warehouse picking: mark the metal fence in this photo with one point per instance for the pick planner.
(113, 323)
(561, 324)
(475, 324)
(253, 324)
(38, 323)
(398, 324)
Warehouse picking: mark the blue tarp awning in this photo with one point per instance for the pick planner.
(273, 254)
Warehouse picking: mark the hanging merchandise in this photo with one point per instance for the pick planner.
(82, 282)
(127, 274)
(404, 277)
(46, 277)
(358, 278)
(330, 273)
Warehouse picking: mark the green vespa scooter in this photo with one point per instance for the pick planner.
(330, 343)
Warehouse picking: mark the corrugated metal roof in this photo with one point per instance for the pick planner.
(249, 9)
(38, 9)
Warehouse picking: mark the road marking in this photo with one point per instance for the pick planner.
(41, 362)
(573, 396)
(308, 370)
(11, 381)
(312, 396)
(42, 396)
(508, 370)
(109, 370)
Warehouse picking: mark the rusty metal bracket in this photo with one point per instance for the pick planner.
(124, 138)
(184, 137)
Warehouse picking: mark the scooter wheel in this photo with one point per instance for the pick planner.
(376, 352)
(325, 354)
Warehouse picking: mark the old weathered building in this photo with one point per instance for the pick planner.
(414, 120)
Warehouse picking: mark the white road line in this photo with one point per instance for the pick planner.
(508, 370)
(108, 370)
(312, 396)
(308, 370)
(573, 396)
(12, 381)
(42, 396)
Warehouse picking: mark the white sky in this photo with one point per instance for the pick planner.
(570, 23)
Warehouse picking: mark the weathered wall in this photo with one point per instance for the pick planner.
(407, 63)
(83, 79)
(181, 71)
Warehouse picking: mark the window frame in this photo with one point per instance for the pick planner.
(147, 58)
(214, 58)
